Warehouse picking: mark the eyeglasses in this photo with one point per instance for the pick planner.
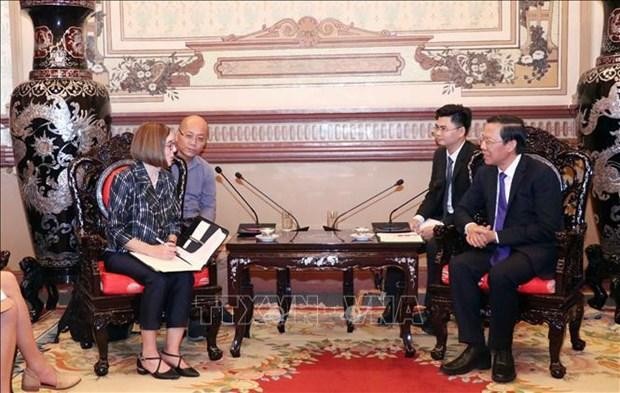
(489, 141)
(437, 129)
(171, 146)
(199, 139)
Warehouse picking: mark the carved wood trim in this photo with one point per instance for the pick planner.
(529, 112)
(336, 135)
(353, 64)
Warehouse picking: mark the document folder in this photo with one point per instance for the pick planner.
(195, 246)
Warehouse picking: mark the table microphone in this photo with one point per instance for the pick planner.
(245, 229)
(399, 182)
(239, 176)
(396, 226)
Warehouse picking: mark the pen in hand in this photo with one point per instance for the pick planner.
(175, 253)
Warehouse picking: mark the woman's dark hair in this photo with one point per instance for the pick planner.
(513, 129)
(459, 115)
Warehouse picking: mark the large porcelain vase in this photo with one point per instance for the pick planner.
(57, 114)
(598, 124)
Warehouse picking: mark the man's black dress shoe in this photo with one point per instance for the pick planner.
(473, 357)
(503, 366)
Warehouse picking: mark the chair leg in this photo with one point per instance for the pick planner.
(247, 292)
(213, 328)
(439, 320)
(348, 298)
(575, 324)
(556, 337)
(284, 292)
(100, 331)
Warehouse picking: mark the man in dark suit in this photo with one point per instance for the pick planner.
(449, 181)
(522, 200)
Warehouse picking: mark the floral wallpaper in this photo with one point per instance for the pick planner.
(468, 69)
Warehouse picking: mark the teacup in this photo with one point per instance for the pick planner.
(268, 231)
(361, 230)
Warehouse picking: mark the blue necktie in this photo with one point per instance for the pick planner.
(501, 252)
(447, 189)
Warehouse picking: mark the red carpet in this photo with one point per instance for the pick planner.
(365, 375)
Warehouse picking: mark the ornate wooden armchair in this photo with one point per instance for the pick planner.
(557, 301)
(102, 298)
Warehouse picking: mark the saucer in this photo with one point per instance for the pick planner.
(267, 239)
(362, 237)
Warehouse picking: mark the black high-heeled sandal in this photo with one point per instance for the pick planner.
(170, 374)
(185, 372)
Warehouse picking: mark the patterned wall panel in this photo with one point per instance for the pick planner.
(156, 50)
(397, 135)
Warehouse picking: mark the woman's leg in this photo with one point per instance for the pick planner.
(178, 307)
(25, 339)
(8, 339)
(174, 336)
(149, 350)
(151, 305)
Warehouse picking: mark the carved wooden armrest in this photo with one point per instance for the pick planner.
(91, 248)
(449, 242)
(443, 235)
(569, 265)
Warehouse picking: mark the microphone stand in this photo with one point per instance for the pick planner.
(333, 227)
(396, 226)
(245, 229)
(298, 228)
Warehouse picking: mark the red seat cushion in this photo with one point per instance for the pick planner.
(536, 286)
(119, 284)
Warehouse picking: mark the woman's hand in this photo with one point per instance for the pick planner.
(164, 251)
